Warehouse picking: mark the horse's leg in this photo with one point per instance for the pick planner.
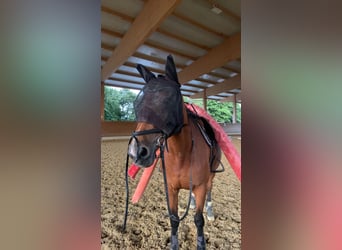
(209, 207)
(192, 201)
(199, 219)
(208, 203)
(174, 219)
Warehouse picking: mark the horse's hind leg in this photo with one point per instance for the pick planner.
(199, 219)
(192, 201)
(208, 203)
(209, 207)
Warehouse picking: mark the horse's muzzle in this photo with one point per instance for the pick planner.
(141, 154)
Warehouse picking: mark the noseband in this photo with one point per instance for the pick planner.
(160, 140)
(147, 132)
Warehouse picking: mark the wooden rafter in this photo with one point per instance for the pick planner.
(147, 21)
(224, 95)
(156, 59)
(232, 69)
(116, 13)
(161, 61)
(152, 45)
(183, 39)
(229, 49)
(168, 50)
(111, 33)
(225, 86)
(236, 98)
(160, 30)
(199, 25)
(124, 80)
(107, 47)
(138, 75)
(159, 71)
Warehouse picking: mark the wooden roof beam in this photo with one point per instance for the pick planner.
(147, 21)
(150, 44)
(229, 49)
(225, 86)
(111, 33)
(118, 14)
(199, 25)
(233, 69)
(232, 99)
(161, 61)
(160, 30)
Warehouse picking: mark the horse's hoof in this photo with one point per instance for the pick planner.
(174, 242)
(210, 218)
(200, 243)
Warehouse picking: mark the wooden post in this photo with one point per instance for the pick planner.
(234, 109)
(102, 101)
(205, 99)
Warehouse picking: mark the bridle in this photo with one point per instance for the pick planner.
(161, 144)
(159, 141)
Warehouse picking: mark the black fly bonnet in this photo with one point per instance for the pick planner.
(160, 101)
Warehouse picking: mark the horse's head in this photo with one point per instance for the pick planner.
(159, 113)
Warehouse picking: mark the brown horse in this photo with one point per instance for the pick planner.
(188, 162)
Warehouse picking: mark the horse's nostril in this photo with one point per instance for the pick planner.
(143, 152)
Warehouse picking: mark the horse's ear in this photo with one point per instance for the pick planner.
(145, 73)
(170, 69)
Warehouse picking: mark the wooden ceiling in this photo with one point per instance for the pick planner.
(206, 46)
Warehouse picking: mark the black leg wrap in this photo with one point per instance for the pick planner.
(200, 243)
(199, 222)
(174, 224)
(174, 242)
(174, 220)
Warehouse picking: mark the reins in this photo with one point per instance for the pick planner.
(161, 143)
(172, 216)
(134, 134)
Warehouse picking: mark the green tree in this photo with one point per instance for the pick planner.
(126, 100)
(238, 112)
(111, 104)
(220, 111)
(118, 105)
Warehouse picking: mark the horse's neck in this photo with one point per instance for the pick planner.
(182, 141)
